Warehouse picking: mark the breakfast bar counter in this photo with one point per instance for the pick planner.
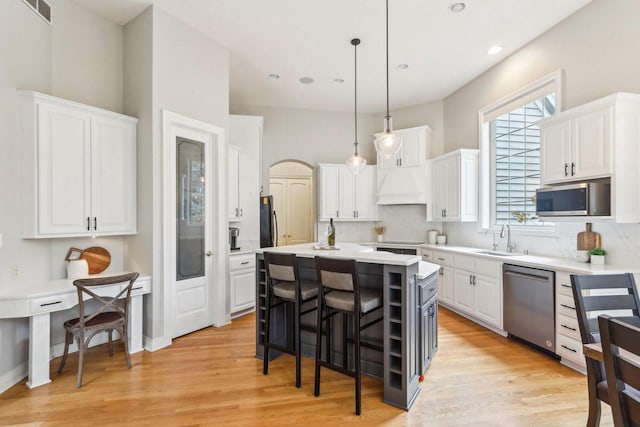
(407, 334)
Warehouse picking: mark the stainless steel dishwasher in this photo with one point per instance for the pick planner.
(529, 305)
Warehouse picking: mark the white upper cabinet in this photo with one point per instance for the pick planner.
(600, 139)
(344, 196)
(413, 152)
(577, 148)
(233, 184)
(455, 186)
(79, 169)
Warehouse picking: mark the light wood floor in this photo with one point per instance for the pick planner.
(211, 377)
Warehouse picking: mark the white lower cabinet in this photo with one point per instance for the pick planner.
(568, 340)
(470, 285)
(242, 284)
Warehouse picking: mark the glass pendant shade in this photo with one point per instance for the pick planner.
(388, 143)
(356, 163)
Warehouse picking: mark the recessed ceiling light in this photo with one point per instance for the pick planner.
(338, 81)
(306, 80)
(494, 50)
(403, 66)
(274, 76)
(457, 7)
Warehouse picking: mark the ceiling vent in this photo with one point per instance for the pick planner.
(41, 7)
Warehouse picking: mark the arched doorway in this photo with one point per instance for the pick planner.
(291, 185)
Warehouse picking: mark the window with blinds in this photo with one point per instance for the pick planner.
(515, 143)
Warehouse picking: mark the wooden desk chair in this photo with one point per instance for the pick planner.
(589, 293)
(340, 292)
(622, 371)
(113, 315)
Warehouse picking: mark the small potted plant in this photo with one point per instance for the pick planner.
(597, 256)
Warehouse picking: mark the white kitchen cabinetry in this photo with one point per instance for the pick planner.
(578, 148)
(233, 182)
(242, 282)
(568, 340)
(470, 285)
(593, 141)
(455, 186)
(413, 151)
(344, 196)
(79, 169)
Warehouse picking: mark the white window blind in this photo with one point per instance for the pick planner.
(515, 145)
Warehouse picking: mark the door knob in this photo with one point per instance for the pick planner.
(209, 253)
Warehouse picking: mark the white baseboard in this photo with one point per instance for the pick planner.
(226, 320)
(13, 377)
(153, 344)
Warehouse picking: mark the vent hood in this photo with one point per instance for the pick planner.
(404, 185)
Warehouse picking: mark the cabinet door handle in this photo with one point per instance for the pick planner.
(573, 168)
(569, 327)
(566, 169)
(470, 280)
(244, 263)
(474, 280)
(95, 222)
(445, 213)
(88, 223)
(241, 212)
(567, 306)
(567, 348)
(337, 214)
(357, 214)
(441, 271)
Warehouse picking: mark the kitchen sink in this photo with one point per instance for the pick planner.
(498, 253)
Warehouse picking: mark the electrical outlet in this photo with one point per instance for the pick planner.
(15, 272)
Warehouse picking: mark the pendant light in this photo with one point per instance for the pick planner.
(388, 144)
(356, 162)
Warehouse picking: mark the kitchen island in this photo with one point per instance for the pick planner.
(408, 333)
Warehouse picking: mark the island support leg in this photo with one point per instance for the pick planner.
(135, 325)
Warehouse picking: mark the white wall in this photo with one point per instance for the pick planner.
(28, 60)
(181, 70)
(597, 50)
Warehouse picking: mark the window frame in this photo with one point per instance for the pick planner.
(486, 185)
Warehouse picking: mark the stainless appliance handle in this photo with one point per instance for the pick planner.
(275, 224)
(526, 275)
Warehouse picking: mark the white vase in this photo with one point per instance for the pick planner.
(597, 259)
(380, 238)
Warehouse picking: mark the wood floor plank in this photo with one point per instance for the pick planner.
(211, 377)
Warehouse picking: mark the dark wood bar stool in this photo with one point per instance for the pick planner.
(284, 287)
(340, 293)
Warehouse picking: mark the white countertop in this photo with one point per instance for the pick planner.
(539, 261)
(360, 253)
(51, 287)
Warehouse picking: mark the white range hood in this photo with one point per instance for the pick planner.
(404, 185)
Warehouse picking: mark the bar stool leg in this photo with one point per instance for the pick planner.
(296, 337)
(316, 389)
(356, 356)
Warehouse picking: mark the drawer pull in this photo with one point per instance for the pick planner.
(441, 259)
(244, 263)
(567, 306)
(569, 327)
(567, 348)
(50, 303)
(135, 289)
(431, 289)
(565, 286)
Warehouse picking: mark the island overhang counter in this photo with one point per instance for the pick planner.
(408, 332)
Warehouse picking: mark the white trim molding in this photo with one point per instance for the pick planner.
(488, 113)
(13, 377)
(173, 124)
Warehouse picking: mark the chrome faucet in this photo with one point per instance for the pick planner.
(509, 244)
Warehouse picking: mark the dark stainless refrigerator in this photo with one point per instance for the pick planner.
(268, 223)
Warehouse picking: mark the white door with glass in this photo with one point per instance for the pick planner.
(192, 235)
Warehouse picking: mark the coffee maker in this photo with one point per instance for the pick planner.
(234, 232)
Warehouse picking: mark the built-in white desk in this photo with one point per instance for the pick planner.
(38, 301)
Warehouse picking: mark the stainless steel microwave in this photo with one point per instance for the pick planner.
(585, 199)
